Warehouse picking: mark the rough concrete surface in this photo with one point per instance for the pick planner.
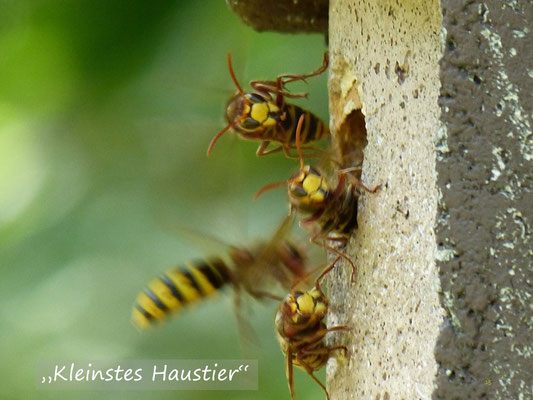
(384, 58)
(485, 174)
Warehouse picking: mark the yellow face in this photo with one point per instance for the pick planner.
(308, 190)
(261, 112)
(254, 113)
(307, 305)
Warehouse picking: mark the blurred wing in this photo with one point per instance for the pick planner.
(247, 335)
(269, 252)
(206, 243)
(279, 260)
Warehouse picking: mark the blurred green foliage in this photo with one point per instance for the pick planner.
(106, 111)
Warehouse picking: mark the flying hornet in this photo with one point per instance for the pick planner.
(301, 331)
(263, 115)
(332, 212)
(254, 270)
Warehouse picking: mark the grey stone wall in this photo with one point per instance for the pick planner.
(485, 171)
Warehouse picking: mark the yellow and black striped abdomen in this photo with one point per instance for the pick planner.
(313, 128)
(178, 287)
(340, 215)
(314, 357)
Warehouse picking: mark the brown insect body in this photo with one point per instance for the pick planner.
(255, 270)
(265, 265)
(333, 211)
(259, 118)
(301, 331)
(263, 114)
(330, 213)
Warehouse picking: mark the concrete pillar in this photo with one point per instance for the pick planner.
(384, 76)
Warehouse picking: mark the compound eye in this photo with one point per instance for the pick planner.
(255, 98)
(234, 108)
(315, 172)
(250, 123)
(298, 191)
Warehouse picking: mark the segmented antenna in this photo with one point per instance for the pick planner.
(232, 74)
(269, 187)
(214, 140)
(234, 122)
(298, 142)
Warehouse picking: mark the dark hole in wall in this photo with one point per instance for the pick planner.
(351, 137)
